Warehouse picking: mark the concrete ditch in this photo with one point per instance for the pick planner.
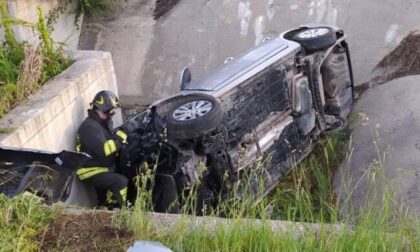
(167, 222)
(384, 149)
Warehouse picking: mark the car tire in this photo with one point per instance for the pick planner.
(193, 115)
(314, 39)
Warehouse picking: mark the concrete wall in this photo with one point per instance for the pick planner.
(50, 118)
(127, 32)
(64, 29)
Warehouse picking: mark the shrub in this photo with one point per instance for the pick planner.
(22, 219)
(87, 7)
(24, 67)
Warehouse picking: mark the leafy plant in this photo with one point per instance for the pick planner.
(89, 7)
(55, 62)
(24, 67)
(86, 7)
(22, 219)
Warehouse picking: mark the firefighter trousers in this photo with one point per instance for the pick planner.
(111, 187)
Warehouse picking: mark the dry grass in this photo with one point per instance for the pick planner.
(30, 73)
(27, 82)
(24, 68)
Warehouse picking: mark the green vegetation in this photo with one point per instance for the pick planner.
(240, 237)
(23, 67)
(22, 220)
(86, 7)
(89, 7)
(305, 195)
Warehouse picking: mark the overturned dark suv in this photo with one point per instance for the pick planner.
(271, 103)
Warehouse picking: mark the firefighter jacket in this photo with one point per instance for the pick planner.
(96, 138)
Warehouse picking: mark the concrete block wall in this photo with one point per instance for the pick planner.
(64, 29)
(49, 119)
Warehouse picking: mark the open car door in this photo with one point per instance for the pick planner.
(46, 174)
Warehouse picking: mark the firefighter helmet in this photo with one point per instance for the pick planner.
(105, 101)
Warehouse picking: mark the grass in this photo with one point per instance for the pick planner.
(305, 195)
(252, 238)
(22, 219)
(24, 68)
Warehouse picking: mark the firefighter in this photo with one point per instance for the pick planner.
(96, 138)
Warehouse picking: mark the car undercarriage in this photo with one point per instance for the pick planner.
(260, 113)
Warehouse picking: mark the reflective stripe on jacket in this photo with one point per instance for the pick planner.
(122, 136)
(110, 147)
(85, 173)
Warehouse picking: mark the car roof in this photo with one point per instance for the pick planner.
(226, 73)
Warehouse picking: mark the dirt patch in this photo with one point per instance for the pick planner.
(85, 232)
(402, 61)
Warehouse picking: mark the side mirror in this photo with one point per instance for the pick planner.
(185, 78)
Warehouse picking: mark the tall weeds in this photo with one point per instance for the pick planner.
(24, 67)
(306, 194)
(22, 220)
